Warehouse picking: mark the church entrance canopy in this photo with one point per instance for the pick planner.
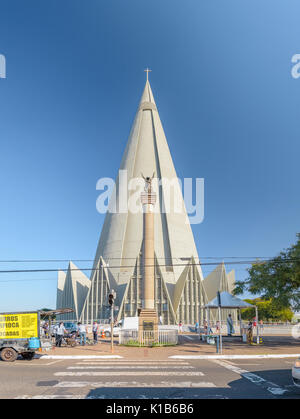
(227, 301)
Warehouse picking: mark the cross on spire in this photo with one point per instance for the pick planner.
(147, 71)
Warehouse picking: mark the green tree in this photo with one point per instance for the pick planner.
(277, 279)
(267, 311)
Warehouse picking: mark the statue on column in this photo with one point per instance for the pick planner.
(148, 183)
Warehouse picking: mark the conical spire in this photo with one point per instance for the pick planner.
(121, 242)
(147, 152)
(147, 96)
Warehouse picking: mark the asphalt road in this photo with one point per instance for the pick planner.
(165, 379)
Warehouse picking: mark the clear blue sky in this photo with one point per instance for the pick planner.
(230, 109)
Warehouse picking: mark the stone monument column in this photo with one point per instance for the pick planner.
(148, 315)
(148, 198)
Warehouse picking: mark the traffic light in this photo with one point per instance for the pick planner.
(111, 297)
(219, 298)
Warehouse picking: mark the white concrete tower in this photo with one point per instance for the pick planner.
(178, 276)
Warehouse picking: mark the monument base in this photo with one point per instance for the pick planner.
(148, 326)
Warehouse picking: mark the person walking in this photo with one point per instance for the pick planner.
(46, 329)
(250, 332)
(230, 328)
(59, 333)
(180, 326)
(95, 332)
(82, 333)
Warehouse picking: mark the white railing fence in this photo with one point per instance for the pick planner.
(147, 338)
(264, 329)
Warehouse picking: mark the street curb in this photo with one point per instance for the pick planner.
(270, 356)
(80, 356)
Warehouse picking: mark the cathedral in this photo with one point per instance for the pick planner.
(180, 289)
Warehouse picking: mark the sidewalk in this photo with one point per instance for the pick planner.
(272, 345)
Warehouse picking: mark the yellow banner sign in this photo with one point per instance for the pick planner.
(19, 326)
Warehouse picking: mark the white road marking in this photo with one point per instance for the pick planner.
(256, 379)
(123, 361)
(33, 364)
(135, 367)
(167, 384)
(80, 356)
(162, 364)
(131, 373)
(51, 396)
(245, 363)
(54, 362)
(133, 361)
(271, 356)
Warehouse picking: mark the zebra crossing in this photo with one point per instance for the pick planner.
(119, 378)
(135, 368)
(184, 377)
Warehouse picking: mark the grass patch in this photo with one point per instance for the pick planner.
(151, 345)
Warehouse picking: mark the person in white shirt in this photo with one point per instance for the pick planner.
(59, 333)
(82, 333)
(95, 332)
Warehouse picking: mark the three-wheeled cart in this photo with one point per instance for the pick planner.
(19, 335)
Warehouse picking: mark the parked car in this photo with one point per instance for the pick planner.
(296, 373)
(128, 323)
(71, 327)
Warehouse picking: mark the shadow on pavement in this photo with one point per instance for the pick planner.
(270, 343)
(241, 388)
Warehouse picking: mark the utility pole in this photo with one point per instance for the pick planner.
(220, 321)
(111, 301)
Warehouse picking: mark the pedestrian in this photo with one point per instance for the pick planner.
(95, 332)
(196, 327)
(59, 333)
(250, 332)
(46, 329)
(82, 333)
(218, 326)
(41, 329)
(230, 328)
(180, 326)
(261, 326)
